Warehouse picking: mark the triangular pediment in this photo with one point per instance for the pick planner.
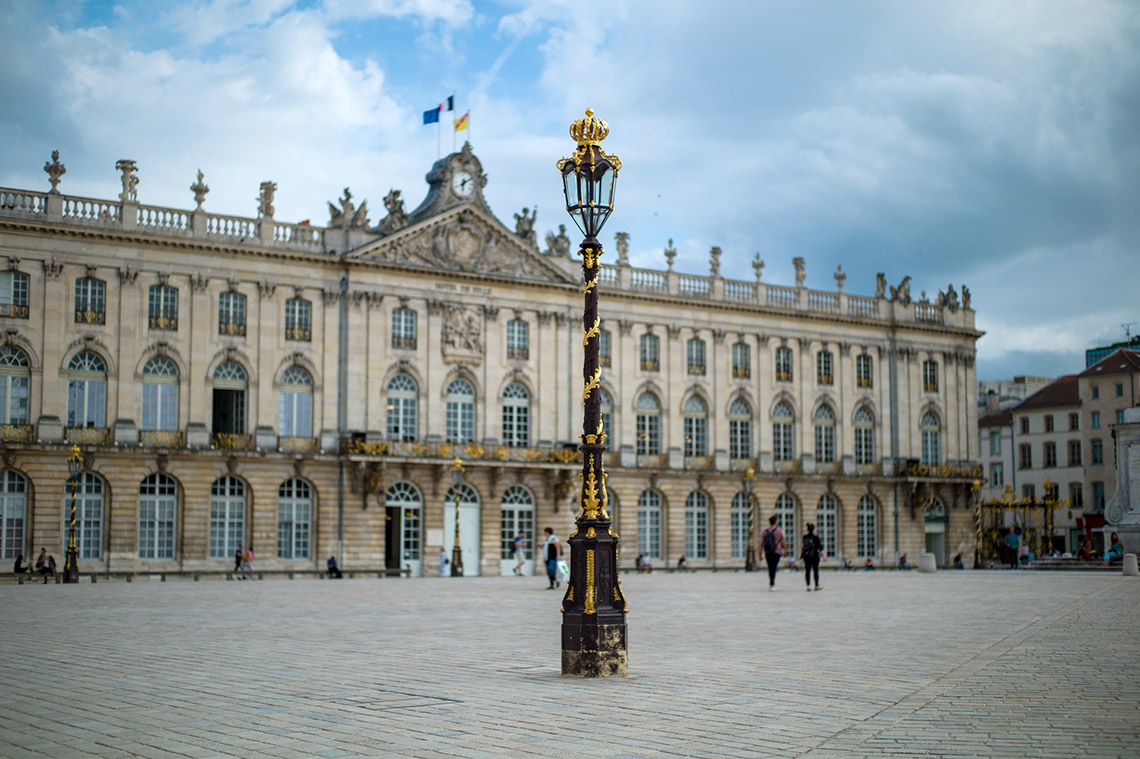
(463, 238)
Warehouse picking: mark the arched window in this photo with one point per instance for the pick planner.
(405, 498)
(648, 424)
(90, 301)
(739, 525)
(404, 329)
(13, 513)
(739, 429)
(15, 374)
(695, 352)
(824, 434)
(696, 426)
(826, 517)
(867, 526)
(460, 412)
(864, 436)
(697, 525)
(607, 406)
(517, 516)
(649, 523)
(295, 417)
(786, 519)
(516, 416)
(88, 515)
(931, 429)
(783, 432)
(294, 517)
(227, 516)
(298, 320)
(158, 507)
(159, 394)
(934, 510)
(650, 353)
(230, 383)
(518, 339)
(402, 407)
(87, 391)
(784, 364)
(823, 368)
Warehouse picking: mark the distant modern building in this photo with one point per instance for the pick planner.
(1093, 355)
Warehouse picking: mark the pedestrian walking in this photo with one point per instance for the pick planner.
(772, 542)
(811, 554)
(1012, 539)
(248, 566)
(551, 553)
(239, 557)
(520, 557)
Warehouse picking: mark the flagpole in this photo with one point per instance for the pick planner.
(438, 137)
(453, 133)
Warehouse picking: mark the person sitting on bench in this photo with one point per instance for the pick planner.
(334, 571)
(1114, 552)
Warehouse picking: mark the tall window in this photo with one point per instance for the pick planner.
(1024, 425)
(162, 307)
(783, 364)
(1097, 451)
(738, 527)
(14, 294)
(783, 432)
(231, 313)
(931, 438)
(298, 320)
(13, 513)
(404, 329)
(1025, 456)
(739, 429)
(88, 515)
(87, 391)
(696, 426)
(695, 352)
(823, 368)
(930, 376)
(90, 301)
(697, 525)
(995, 442)
(1096, 420)
(650, 353)
(518, 339)
(15, 374)
(295, 417)
(605, 348)
(158, 505)
(230, 384)
(227, 516)
(648, 424)
(997, 475)
(403, 399)
(1074, 421)
(407, 499)
(294, 517)
(864, 436)
(460, 412)
(824, 434)
(786, 519)
(1050, 453)
(516, 416)
(741, 361)
(160, 394)
(1076, 495)
(864, 371)
(517, 514)
(826, 516)
(1048, 422)
(607, 407)
(1098, 496)
(649, 523)
(1074, 453)
(867, 527)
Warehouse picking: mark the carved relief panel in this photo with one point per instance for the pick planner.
(462, 333)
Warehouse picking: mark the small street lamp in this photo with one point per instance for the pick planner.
(74, 470)
(456, 550)
(748, 480)
(594, 607)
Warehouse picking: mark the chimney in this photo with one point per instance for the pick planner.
(991, 402)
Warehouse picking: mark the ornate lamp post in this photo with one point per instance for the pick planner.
(594, 608)
(456, 549)
(74, 470)
(748, 480)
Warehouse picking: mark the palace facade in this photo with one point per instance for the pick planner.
(306, 391)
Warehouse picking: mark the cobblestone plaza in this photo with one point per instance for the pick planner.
(955, 664)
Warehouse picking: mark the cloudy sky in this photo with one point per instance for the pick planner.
(987, 143)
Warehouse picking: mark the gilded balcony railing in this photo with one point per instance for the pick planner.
(160, 438)
(228, 441)
(14, 310)
(17, 433)
(521, 354)
(863, 382)
(967, 471)
(741, 372)
(470, 451)
(297, 444)
(300, 334)
(90, 316)
(782, 376)
(650, 365)
(825, 379)
(404, 343)
(89, 435)
(162, 322)
(698, 369)
(233, 329)
(605, 361)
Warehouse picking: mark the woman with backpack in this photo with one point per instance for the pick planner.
(812, 551)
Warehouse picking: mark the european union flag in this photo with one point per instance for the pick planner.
(432, 116)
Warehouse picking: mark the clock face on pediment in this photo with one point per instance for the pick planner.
(462, 183)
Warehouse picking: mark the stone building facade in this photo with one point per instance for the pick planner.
(305, 390)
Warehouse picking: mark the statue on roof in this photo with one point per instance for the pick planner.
(557, 244)
(714, 261)
(801, 274)
(524, 226)
(622, 248)
(396, 218)
(265, 200)
(965, 297)
(880, 285)
(348, 216)
(902, 292)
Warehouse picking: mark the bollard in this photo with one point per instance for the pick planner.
(1130, 568)
(926, 563)
(92, 579)
(195, 577)
(163, 577)
(130, 578)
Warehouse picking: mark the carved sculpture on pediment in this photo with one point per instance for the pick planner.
(54, 170)
(714, 261)
(396, 218)
(557, 244)
(265, 200)
(462, 331)
(801, 273)
(348, 216)
(622, 244)
(524, 225)
(880, 285)
(902, 292)
(200, 188)
(130, 180)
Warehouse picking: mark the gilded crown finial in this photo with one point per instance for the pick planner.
(590, 130)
